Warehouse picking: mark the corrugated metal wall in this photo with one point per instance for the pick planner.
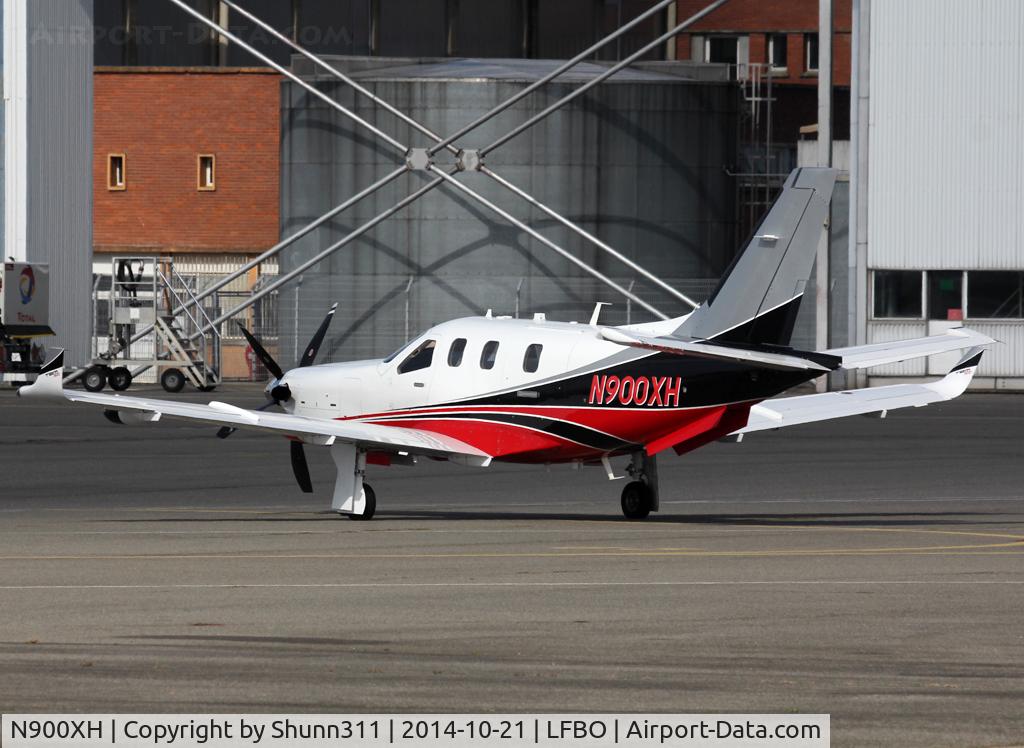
(946, 157)
(639, 163)
(60, 164)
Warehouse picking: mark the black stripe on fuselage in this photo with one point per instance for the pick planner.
(573, 432)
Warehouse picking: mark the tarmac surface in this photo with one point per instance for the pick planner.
(870, 569)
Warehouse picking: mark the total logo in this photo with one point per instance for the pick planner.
(651, 392)
(27, 285)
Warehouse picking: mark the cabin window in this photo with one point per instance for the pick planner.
(531, 361)
(115, 172)
(489, 354)
(207, 168)
(421, 358)
(456, 351)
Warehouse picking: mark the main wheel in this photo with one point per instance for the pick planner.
(95, 379)
(119, 379)
(172, 380)
(371, 504)
(637, 500)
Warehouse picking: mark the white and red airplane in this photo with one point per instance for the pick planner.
(481, 389)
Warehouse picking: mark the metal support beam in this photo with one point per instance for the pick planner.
(547, 242)
(320, 62)
(290, 75)
(589, 237)
(585, 54)
(604, 76)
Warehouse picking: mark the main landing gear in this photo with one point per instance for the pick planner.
(640, 496)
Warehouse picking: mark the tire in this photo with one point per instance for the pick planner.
(172, 380)
(637, 500)
(119, 379)
(371, 505)
(95, 379)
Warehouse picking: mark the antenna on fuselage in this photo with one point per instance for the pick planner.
(597, 312)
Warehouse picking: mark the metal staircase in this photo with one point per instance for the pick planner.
(154, 320)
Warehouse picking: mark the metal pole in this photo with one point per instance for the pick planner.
(860, 94)
(408, 286)
(589, 237)
(822, 274)
(606, 74)
(283, 244)
(547, 242)
(585, 54)
(337, 73)
(322, 255)
(288, 74)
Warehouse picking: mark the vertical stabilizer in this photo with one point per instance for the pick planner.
(758, 299)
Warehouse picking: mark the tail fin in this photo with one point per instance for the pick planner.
(757, 300)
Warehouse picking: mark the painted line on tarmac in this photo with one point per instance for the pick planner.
(476, 585)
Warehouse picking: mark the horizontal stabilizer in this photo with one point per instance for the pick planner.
(791, 411)
(876, 354)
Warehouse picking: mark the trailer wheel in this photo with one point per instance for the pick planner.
(172, 380)
(119, 379)
(95, 378)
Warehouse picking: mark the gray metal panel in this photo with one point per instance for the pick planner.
(946, 157)
(60, 164)
(640, 165)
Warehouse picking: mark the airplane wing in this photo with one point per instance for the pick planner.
(790, 411)
(722, 352)
(313, 430)
(875, 354)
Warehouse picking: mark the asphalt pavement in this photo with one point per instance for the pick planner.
(871, 569)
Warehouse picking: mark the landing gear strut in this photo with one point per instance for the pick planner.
(640, 496)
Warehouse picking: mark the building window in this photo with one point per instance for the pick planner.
(995, 294)
(721, 49)
(811, 53)
(489, 355)
(531, 361)
(946, 294)
(897, 294)
(418, 359)
(115, 172)
(207, 166)
(456, 351)
(777, 52)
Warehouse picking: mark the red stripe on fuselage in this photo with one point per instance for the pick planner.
(517, 442)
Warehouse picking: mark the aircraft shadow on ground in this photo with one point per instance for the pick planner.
(811, 519)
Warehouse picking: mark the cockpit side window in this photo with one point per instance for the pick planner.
(421, 358)
(489, 354)
(456, 351)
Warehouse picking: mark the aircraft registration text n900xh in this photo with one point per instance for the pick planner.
(480, 389)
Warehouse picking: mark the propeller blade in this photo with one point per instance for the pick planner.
(225, 431)
(318, 339)
(261, 353)
(301, 468)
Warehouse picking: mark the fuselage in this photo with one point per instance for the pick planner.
(539, 391)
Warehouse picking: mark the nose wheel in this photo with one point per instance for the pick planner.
(371, 504)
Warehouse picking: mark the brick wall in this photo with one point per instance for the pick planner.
(161, 119)
(757, 18)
